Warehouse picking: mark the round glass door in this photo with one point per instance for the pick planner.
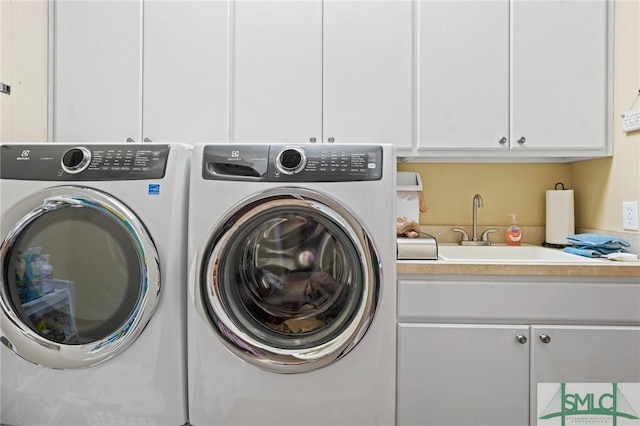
(80, 279)
(291, 282)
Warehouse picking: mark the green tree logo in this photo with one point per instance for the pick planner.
(565, 404)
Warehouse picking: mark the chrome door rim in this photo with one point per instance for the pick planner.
(257, 352)
(20, 338)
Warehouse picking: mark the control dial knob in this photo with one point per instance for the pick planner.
(75, 160)
(291, 160)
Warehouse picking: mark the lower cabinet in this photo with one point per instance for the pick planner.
(485, 368)
(578, 354)
(456, 375)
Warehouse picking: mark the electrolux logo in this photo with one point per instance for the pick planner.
(564, 404)
(24, 155)
(235, 156)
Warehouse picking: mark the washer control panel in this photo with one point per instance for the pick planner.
(90, 162)
(325, 163)
(292, 163)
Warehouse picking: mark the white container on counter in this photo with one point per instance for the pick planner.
(408, 192)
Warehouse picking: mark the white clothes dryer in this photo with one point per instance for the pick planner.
(292, 285)
(92, 290)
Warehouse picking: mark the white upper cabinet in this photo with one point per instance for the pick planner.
(276, 68)
(506, 80)
(367, 72)
(97, 71)
(513, 79)
(140, 70)
(313, 71)
(559, 74)
(185, 96)
(463, 68)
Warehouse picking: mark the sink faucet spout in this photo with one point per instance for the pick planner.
(477, 202)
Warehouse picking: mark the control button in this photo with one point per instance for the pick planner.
(291, 160)
(75, 160)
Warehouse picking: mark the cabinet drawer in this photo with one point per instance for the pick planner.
(517, 302)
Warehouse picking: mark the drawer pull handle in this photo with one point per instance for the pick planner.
(545, 338)
(521, 339)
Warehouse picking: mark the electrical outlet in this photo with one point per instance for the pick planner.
(630, 215)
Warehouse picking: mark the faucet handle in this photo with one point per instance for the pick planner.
(464, 236)
(485, 234)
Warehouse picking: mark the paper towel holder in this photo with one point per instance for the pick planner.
(559, 186)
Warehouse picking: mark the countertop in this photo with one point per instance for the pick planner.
(597, 268)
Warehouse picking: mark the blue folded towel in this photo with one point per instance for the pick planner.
(597, 240)
(595, 245)
(582, 252)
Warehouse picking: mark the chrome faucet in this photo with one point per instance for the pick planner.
(477, 203)
(484, 238)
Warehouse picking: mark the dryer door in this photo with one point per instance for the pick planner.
(290, 280)
(80, 277)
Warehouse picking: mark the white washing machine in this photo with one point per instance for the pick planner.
(93, 273)
(291, 317)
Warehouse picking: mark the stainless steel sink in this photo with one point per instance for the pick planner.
(508, 254)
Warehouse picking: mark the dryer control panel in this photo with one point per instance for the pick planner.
(91, 162)
(293, 163)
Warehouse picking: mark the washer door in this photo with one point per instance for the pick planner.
(80, 277)
(290, 280)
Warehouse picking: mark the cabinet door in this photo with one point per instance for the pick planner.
(463, 75)
(559, 74)
(575, 354)
(97, 71)
(367, 70)
(462, 375)
(186, 71)
(23, 67)
(276, 66)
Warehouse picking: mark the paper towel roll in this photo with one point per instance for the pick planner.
(560, 217)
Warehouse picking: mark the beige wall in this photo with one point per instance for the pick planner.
(605, 183)
(600, 185)
(449, 188)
